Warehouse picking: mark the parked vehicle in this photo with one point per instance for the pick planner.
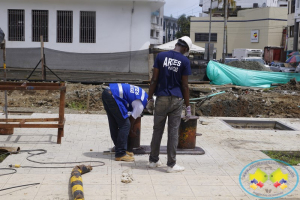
(297, 70)
(247, 53)
(228, 60)
(280, 67)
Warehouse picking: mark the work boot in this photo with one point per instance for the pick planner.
(125, 158)
(131, 154)
(175, 168)
(153, 164)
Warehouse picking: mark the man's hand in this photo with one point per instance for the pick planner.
(188, 113)
(150, 106)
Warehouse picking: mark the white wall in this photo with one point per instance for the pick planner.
(113, 22)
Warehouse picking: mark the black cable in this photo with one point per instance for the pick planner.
(5, 169)
(19, 186)
(34, 70)
(53, 72)
(43, 151)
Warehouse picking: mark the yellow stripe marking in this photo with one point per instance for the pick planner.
(76, 188)
(4, 66)
(74, 178)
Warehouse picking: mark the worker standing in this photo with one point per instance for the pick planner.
(170, 85)
(118, 100)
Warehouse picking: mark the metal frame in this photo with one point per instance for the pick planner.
(258, 122)
(11, 123)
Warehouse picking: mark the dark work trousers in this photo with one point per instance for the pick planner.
(119, 127)
(171, 107)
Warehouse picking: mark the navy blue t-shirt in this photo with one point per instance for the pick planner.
(172, 66)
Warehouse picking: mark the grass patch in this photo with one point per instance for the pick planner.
(291, 157)
(2, 157)
(76, 105)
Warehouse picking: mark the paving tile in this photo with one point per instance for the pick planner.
(214, 191)
(26, 192)
(134, 190)
(169, 179)
(173, 190)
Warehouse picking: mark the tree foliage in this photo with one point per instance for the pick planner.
(184, 26)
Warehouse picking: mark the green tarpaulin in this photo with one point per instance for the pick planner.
(220, 74)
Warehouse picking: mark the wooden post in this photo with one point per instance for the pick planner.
(4, 67)
(150, 65)
(88, 102)
(61, 114)
(42, 58)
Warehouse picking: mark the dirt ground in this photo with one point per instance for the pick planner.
(282, 101)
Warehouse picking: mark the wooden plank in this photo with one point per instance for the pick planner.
(32, 88)
(8, 126)
(31, 120)
(29, 84)
(22, 121)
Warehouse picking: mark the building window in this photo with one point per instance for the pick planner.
(291, 31)
(164, 39)
(87, 27)
(39, 25)
(293, 6)
(161, 23)
(164, 25)
(152, 33)
(65, 26)
(16, 23)
(157, 34)
(204, 37)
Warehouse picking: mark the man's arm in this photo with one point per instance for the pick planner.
(185, 90)
(153, 83)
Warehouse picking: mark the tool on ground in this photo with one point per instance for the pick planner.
(76, 181)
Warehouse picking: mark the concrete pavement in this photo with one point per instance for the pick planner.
(214, 175)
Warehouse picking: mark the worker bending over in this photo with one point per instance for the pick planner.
(118, 100)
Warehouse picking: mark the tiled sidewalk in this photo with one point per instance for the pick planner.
(210, 176)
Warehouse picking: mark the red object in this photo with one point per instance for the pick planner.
(260, 184)
(277, 184)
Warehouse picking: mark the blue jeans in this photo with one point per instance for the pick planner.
(119, 127)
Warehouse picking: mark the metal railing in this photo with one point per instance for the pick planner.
(16, 23)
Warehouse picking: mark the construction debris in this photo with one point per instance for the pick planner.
(127, 176)
(251, 65)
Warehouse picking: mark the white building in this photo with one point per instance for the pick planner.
(156, 32)
(170, 28)
(244, 4)
(103, 35)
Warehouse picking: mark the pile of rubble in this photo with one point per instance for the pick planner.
(251, 65)
(251, 102)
